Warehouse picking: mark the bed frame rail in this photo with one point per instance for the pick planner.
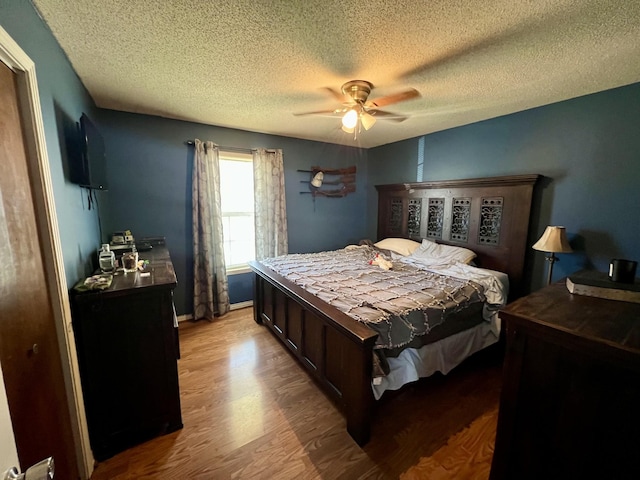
(334, 348)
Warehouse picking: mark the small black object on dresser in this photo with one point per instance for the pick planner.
(127, 346)
(570, 404)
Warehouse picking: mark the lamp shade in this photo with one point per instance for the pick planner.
(367, 120)
(554, 239)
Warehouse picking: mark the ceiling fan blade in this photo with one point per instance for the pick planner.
(395, 98)
(388, 115)
(341, 97)
(330, 113)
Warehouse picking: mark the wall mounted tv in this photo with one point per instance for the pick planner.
(89, 166)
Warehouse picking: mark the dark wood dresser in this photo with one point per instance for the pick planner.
(127, 351)
(570, 405)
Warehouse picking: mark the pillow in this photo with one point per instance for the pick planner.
(403, 246)
(446, 253)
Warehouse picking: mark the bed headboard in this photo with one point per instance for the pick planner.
(487, 215)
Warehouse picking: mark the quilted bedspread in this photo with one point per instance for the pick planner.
(399, 304)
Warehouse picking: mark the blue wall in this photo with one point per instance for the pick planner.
(587, 148)
(149, 171)
(241, 288)
(63, 98)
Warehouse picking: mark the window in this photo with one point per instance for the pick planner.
(236, 196)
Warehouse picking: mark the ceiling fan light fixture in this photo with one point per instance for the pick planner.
(350, 119)
(358, 112)
(367, 120)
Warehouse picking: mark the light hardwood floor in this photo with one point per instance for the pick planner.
(250, 411)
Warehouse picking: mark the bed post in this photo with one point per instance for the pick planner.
(358, 394)
(257, 299)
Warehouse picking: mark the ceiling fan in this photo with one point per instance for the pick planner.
(358, 110)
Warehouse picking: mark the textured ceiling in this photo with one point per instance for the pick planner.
(252, 64)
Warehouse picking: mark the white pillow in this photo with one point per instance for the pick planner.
(403, 246)
(445, 253)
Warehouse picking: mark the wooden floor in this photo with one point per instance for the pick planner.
(250, 411)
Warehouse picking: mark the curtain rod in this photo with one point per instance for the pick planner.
(228, 149)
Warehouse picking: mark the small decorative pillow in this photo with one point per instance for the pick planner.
(445, 253)
(402, 246)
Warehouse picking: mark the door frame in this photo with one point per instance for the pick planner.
(47, 222)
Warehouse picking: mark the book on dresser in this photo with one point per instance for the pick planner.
(597, 284)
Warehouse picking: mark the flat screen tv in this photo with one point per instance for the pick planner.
(89, 168)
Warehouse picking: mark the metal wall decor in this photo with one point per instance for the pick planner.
(460, 216)
(413, 217)
(333, 183)
(435, 218)
(490, 220)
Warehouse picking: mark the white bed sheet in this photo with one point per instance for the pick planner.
(446, 354)
(441, 356)
(496, 284)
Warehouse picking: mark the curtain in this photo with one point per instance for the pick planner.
(270, 207)
(210, 288)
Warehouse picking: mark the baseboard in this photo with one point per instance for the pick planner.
(235, 306)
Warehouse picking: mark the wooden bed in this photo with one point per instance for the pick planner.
(488, 215)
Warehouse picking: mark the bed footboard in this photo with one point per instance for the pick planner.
(333, 347)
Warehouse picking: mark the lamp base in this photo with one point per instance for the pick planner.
(551, 259)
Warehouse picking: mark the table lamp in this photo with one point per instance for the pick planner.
(553, 240)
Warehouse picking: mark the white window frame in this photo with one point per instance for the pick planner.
(238, 157)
